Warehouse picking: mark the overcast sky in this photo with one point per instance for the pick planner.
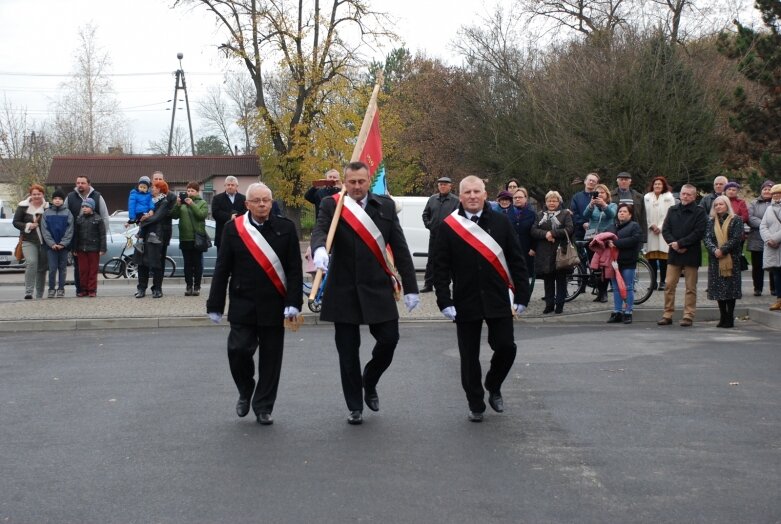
(38, 40)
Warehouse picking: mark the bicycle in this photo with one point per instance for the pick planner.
(582, 275)
(125, 266)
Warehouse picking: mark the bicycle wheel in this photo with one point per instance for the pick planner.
(114, 268)
(576, 282)
(644, 281)
(131, 269)
(170, 267)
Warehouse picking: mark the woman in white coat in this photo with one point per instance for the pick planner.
(770, 230)
(657, 201)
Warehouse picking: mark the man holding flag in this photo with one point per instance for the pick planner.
(261, 257)
(362, 282)
(479, 251)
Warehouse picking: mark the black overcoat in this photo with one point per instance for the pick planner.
(685, 224)
(478, 290)
(253, 298)
(357, 290)
(222, 211)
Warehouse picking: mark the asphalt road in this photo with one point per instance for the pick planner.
(130, 426)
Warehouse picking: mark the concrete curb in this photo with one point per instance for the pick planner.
(756, 315)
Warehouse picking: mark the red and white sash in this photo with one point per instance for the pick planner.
(363, 225)
(482, 242)
(262, 252)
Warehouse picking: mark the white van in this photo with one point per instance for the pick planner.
(410, 210)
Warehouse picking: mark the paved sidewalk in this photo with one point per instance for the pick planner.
(174, 309)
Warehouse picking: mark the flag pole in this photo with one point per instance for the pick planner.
(371, 110)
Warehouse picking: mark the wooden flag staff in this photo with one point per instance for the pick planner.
(359, 145)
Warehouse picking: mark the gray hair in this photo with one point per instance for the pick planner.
(554, 194)
(258, 186)
(232, 179)
(471, 179)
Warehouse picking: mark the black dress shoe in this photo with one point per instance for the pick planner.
(157, 294)
(264, 419)
(371, 399)
(496, 402)
(141, 293)
(355, 418)
(242, 407)
(474, 416)
(427, 289)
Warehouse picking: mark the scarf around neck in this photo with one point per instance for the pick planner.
(722, 235)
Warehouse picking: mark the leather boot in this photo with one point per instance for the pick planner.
(729, 322)
(722, 313)
(776, 306)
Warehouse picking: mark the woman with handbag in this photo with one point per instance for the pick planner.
(552, 229)
(191, 210)
(27, 219)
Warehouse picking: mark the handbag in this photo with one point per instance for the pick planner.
(18, 253)
(202, 242)
(566, 255)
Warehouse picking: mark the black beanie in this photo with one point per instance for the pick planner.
(58, 193)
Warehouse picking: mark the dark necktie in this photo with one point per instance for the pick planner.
(474, 218)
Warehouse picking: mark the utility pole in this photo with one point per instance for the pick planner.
(180, 75)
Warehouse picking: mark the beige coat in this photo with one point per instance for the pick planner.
(655, 211)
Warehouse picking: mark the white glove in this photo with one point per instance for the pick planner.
(215, 317)
(291, 312)
(321, 259)
(449, 312)
(411, 300)
(519, 308)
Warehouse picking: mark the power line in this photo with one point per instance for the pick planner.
(69, 75)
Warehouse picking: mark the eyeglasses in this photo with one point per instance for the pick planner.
(256, 201)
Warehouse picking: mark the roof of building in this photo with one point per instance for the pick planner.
(127, 169)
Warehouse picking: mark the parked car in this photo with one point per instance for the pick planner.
(9, 237)
(410, 211)
(116, 240)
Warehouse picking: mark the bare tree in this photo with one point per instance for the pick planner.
(240, 90)
(180, 143)
(684, 19)
(215, 112)
(308, 46)
(583, 16)
(88, 118)
(24, 150)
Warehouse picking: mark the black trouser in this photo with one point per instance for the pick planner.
(193, 267)
(428, 280)
(555, 287)
(501, 339)
(157, 274)
(243, 339)
(758, 273)
(348, 344)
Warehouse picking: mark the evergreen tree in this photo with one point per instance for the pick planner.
(759, 60)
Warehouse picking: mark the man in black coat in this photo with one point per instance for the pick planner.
(683, 230)
(227, 206)
(358, 289)
(439, 206)
(480, 290)
(260, 300)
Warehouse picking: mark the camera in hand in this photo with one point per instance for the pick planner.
(594, 194)
(182, 195)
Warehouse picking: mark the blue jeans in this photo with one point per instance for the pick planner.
(58, 265)
(629, 279)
